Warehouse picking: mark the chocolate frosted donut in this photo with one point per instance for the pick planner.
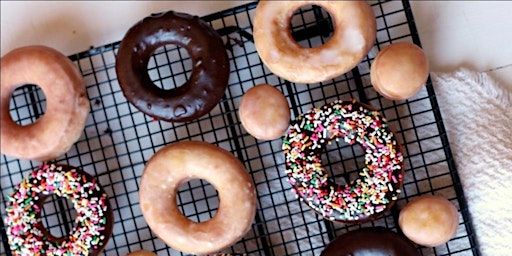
(209, 77)
(93, 223)
(378, 184)
(370, 241)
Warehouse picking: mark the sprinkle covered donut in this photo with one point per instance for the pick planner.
(93, 224)
(379, 182)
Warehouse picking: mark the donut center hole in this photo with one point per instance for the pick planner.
(343, 161)
(58, 216)
(27, 104)
(197, 200)
(311, 26)
(170, 67)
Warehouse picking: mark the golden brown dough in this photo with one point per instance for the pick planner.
(354, 35)
(141, 253)
(429, 220)
(264, 112)
(399, 71)
(179, 162)
(67, 105)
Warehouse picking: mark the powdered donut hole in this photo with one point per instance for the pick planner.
(264, 112)
(429, 220)
(399, 71)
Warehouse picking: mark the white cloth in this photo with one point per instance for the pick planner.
(477, 114)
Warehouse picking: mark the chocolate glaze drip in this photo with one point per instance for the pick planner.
(210, 74)
(376, 241)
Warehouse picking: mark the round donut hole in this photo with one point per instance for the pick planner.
(27, 104)
(170, 66)
(311, 26)
(58, 216)
(343, 161)
(198, 200)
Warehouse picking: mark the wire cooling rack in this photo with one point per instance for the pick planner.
(118, 140)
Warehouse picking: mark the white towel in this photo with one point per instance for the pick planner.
(477, 113)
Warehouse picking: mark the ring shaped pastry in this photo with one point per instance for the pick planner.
(370, 241)
(93, 223)
(378, 183)
(354, 35)
(67, 105)
(210, 74)
(179, 162)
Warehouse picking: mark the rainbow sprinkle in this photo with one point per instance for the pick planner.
(379, 182)
(25, 231)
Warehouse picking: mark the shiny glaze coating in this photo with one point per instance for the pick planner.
(376, 241)
(67, 105)
(209, 77)
(179, 162)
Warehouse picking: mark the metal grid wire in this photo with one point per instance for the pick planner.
(118, 140)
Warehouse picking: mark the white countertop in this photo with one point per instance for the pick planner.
(454, 34)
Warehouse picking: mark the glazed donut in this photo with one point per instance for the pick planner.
(67, 105)
(370, 241)
(354, 35)
(179, 162)
(93, 224)
(379, 182)
(209, 77)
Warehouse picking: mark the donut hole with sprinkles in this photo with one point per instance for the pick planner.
(198, 199)
(60, 212)
(323, 23)
(343, 161)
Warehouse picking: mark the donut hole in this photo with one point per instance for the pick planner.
(343, 161)
(27, 104)
(198, 200)
(311, 26)
(170, 67)
(58, 216)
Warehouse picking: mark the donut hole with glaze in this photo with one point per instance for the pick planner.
(311, 20)
(58, 211)
(198, 200)
(27, 104)
(170, 66)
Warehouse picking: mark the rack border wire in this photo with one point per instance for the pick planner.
(116, 149)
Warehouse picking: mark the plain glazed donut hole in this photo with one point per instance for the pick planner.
(141, 253)
(429, 220)
(67, 105)
(399, 71)
(353, 36)
(264, 112)
(180, 162)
